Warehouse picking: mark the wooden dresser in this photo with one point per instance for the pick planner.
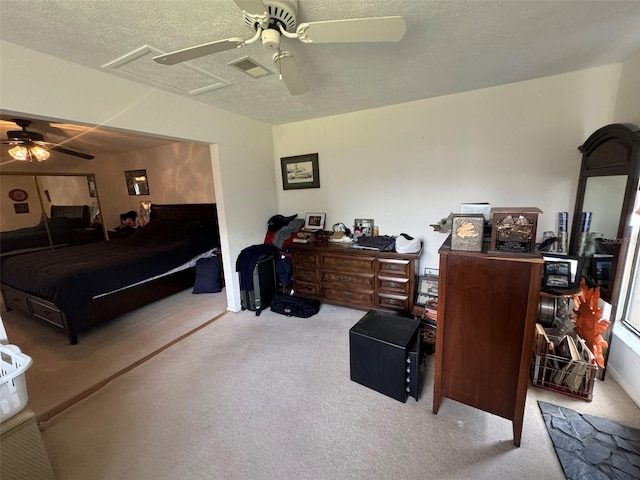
(363, 279)
(487, 309)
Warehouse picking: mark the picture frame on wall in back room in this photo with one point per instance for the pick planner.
(137, 182)
(300, 171)
(91, 184)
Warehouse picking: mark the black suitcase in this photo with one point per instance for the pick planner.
(264, 286)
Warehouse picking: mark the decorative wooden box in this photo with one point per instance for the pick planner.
(513, 230)
(466, 232)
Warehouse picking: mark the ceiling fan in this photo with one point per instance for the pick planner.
(30, 145)
(271, 19)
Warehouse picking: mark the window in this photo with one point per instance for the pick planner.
(630, 287)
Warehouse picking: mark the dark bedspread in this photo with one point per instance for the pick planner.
(71, 276)
(62, 230)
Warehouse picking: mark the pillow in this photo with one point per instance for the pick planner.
(207, 275)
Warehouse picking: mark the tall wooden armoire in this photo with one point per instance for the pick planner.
(487, 310)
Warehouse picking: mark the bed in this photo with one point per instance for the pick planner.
(63, 226)
(79, 286)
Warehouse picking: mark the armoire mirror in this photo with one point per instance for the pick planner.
(606, 189)
(41, 210)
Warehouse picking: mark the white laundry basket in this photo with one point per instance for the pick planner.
(13, 386)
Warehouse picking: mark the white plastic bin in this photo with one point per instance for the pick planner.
(13, 386)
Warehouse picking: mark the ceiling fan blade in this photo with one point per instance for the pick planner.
(377, 29)
(190, 53)
(255, 7)
(290, 73)
(58, 148)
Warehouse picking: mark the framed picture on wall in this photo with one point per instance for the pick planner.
(91, 184)
(300, 171)
(137, 183)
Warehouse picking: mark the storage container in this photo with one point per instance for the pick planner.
(13, 386)
(548, 371)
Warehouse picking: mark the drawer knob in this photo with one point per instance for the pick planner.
(393, 284)
(345, 262)
(347, 294)
(344, 278)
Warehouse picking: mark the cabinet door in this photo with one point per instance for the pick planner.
(484, 329)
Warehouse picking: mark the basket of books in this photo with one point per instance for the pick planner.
(563, 363)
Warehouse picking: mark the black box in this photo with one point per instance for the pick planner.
(385, 354)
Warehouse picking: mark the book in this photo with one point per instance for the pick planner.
(542, 344)
(568, 351)
(589, 364)
(544, 350)
(578, 368)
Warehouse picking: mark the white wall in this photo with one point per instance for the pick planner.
(409, 165)
(624, 354)
(243, 148)
(628, 101)
(176, 173)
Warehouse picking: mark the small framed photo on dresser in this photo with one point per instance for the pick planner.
(427, 289)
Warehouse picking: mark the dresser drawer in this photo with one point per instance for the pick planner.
(306, 259)
(393, 285)
(14, 299)
(306, 274)
(350, 297)
(46, 312)
(394, 267)
(340, 263)
(394, 302)
(353, 280)
(306, 289)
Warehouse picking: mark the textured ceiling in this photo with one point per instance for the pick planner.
(449, 47)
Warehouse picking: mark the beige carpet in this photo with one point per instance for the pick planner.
(62, 373)
(270, 397)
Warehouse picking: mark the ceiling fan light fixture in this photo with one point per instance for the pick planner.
(29, 152)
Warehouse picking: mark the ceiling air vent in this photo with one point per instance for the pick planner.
(252, 68)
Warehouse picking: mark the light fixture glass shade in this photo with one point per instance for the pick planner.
(19, 152)
(23, 153)
(39, 153)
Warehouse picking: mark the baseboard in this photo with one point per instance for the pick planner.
(624, 361)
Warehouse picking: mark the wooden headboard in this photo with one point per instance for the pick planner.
(80, 212)
(187, 212)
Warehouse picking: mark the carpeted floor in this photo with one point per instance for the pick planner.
(61, 374)
(270, 397)
(590, 447)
